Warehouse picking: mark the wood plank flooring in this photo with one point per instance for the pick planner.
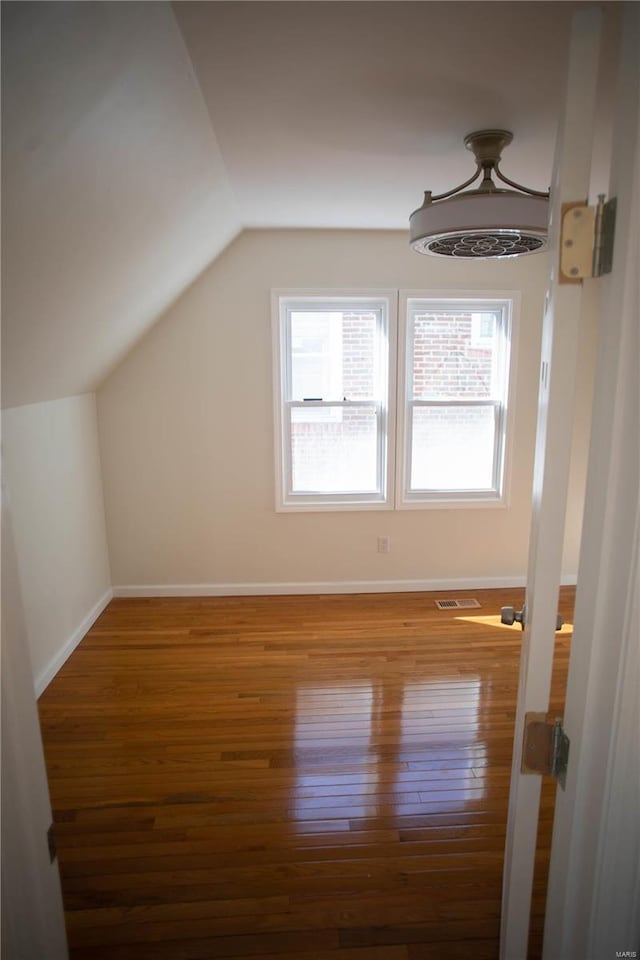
(307, 778)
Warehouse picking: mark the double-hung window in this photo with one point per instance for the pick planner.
(337, 447)
(333, 400)
(454, 385)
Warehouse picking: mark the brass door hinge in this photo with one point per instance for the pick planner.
(545, 747)
(586, 240)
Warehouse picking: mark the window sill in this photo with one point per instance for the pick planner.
(317, 506)
(454, 503)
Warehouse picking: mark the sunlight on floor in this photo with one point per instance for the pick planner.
(494, 621)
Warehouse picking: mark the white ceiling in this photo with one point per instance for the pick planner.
(139, 138)
(340, 114)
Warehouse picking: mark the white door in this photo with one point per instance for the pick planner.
(32, 913)
(593, 905)
(564, 307)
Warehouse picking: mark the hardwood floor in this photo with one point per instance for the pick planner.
(308, 778)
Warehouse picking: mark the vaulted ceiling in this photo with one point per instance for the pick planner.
(341, 114)
(140, 138)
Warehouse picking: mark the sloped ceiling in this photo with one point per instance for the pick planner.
(341, 114)
(139, 138)
(115, 194)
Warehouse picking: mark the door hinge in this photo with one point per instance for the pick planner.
(52, 843)
(545, 747)
(586, 240)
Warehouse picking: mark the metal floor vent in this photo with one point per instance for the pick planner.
(457, 604)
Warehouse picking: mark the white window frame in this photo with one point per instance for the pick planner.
(507, 302)
(283, 302)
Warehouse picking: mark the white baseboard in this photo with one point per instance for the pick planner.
(262, 588)
(324, 586)
(45, 677)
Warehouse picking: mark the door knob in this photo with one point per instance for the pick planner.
(509, 616)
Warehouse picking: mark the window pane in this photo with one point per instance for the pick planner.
(452, 448)
(333, 355)
(454, 354)
(335, 456)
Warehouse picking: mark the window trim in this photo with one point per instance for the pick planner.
(395, 420)
(287, 299)
(509, 300)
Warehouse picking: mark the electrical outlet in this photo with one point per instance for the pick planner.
(384, 545)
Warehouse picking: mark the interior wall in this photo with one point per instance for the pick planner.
(115, 194)
(52, 473)
(186, 432)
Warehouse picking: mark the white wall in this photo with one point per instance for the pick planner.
(186, 435)
(51, 470)
(115, 193)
